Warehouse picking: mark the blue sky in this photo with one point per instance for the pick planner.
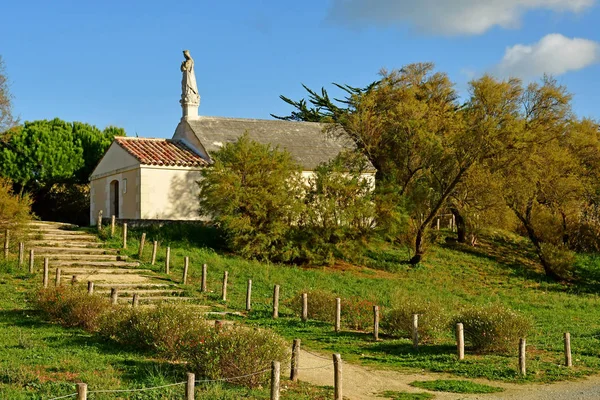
(117, 62)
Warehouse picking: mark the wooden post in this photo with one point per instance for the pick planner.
(74, 279)
(218, 325)
(114, 296)
(275, 378)
(113, 221)
(125, 235)
(31, 260)
(168, 260)
(136, 300)
(99, 222)
(203, 285)
(6, 243)
(295, 360)
(82, 391)
(522, 351)
(45, 278)
(186, 266)
(338, 315)
(224, 290)
(437, 225)
(415, 330)
(90, 287)
(568, 359)
(276, 301)
(337, 377)
(142, 243)
(249, 295)
(154, 250)
(57, 279)
(21, 253)
(304, 307)
(460, 341)
(190, 386)
(453, 222)
(375, 322)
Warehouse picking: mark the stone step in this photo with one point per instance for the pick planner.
(155, 299)
(63, 243)
(44, 224)
(96, 271)
(82, 257)
(59, 232)
(131, 286)
(141, 292)
(73, 250)
(99, 264)
(76, 238)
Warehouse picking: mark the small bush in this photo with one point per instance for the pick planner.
(433, 320)
(356, 313)
(560, 259)
(321, 305)
(237, 351)
(493, 328)
(166, 329)
(71, 306)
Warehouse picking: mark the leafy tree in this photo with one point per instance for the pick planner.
(14, 210)
(52, 161)
(252, 192)
(7, 120)
(340, 210)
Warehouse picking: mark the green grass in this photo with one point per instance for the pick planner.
(390, 394)
(39, 360)
(502, 269)
(456, 386)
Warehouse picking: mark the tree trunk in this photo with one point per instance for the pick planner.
(461, 226)
(419, 251)
(535, 240)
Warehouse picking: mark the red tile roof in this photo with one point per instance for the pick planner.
(163, 152)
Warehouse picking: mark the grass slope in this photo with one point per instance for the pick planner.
(502, 269)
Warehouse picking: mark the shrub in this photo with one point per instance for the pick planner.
(321, 305)
(237, 351)
(433, 319)
(71, 306)
(252, 192)
(356, 313)
(14, 211)
(166, 328)
(493, 328)
(559, 259)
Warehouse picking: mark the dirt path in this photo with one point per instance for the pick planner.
(362, 383)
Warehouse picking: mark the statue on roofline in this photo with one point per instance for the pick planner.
(189, 89)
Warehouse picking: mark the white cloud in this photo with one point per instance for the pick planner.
(455, 17)
(554, 54)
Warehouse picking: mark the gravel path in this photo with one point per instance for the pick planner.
(363, 383)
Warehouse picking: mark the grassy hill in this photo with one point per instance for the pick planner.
(41, 358)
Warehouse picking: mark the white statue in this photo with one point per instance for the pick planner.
(189, 89)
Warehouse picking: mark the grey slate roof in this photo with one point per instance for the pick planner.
(307, 142)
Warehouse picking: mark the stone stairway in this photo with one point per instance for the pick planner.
(81, 258)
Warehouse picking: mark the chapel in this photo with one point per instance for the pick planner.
(155, 179)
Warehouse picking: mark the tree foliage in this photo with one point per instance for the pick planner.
(51, 160)
(7, 120)
(251, 192)
(268, 211)
(509, 154)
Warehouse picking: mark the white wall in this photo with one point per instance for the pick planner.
(116, 159)
(169, 193)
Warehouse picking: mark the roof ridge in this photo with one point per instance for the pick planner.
(140, 138)
(256, 120)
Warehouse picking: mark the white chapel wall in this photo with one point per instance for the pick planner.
(129, 198)
(169, 193)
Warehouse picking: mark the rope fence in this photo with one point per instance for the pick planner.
(190, 384)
